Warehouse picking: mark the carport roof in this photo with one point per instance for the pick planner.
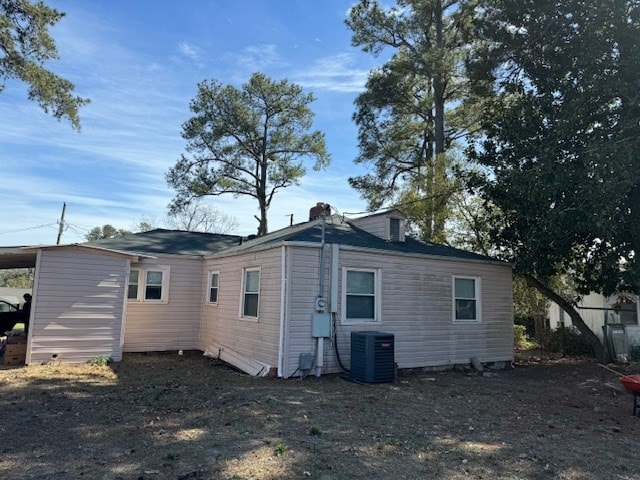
(17, 257)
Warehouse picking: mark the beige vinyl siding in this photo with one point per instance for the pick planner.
(222, 323)
(377, 225)
(174, 325)
(416, 307)
(77, 311)
(380, 225)
(303, 287)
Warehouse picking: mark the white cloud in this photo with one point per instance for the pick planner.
(257, 57)
(335, 73)
(190, 51)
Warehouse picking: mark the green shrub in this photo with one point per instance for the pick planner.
(520, 338)
(568, 340)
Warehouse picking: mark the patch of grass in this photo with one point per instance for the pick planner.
(172, 457)
(280, 449)
(100, 360)
(315, 432)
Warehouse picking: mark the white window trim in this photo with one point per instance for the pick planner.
(142, 284)
(242, 293)
(209, 286)
(478, 299)
(377, 273)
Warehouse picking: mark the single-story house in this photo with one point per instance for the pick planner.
(260, 302)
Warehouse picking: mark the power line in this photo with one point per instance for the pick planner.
(29, 228)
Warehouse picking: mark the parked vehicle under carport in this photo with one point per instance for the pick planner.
(10, 315)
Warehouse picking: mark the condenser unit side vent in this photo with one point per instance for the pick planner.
(372, 357)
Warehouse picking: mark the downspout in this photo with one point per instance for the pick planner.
(320, 340)
(283, 298)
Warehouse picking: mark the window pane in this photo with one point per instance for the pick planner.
(394, 229)
(213, 295)
(252, 281)
(133, 291)
(154, 278)
(360, 307)
(214, 280)
(465, 309)
(465, 288)
(250, 305)
(153, 293)
(133, 276)
(360, 282)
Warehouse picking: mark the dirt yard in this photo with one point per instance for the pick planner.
(164, 416)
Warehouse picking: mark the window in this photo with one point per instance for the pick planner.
(466, 299)
(213, 287)
(149, 284)
(132, 293)
(251, 292)
(394, 229)
(360, 289)
(153, 285)
(629, 313)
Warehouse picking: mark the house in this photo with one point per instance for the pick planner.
(622, 311)
(265, 303)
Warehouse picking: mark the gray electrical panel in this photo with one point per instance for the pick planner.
(321, 325)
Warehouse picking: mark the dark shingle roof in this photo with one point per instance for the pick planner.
(345, 233)
(337, 231)
(172, 242)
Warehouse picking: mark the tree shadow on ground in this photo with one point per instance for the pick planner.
(163, 416)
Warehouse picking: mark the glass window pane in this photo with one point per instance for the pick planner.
(465, 288)
(213, 295)
(250, 305)
(252, 281)
(214, 279)
(153, 293)
(133, 291)
(133, 276)
(465, 309)
(154, 278)
(360, 307)
(360, 282)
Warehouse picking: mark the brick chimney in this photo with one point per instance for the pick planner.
(319, 210)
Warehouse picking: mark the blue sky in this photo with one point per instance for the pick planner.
(139, 62)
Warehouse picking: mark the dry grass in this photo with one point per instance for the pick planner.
(164, 416)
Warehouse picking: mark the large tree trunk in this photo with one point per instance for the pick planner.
(576, 318)
(439, 160)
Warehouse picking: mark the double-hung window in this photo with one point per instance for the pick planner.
(360, 295)
(466, 300)
(134, 279)
(149, 284)
(251, 293)
(213, 287)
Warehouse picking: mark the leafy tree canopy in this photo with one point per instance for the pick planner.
(106, 231)
(249, 141)
(561, 139)
(415, 106)
(25, 45)
(15, 278)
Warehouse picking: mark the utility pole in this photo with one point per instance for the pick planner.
(61, 226)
